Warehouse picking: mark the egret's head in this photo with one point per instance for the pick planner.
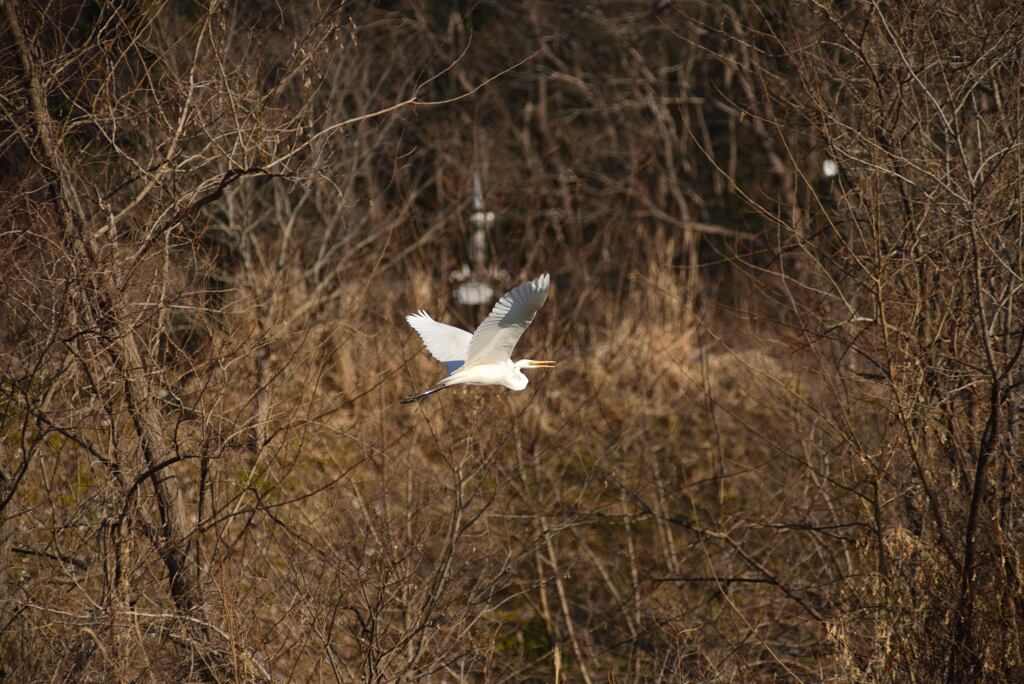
(525, 364)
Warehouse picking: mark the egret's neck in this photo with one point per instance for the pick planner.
(518, 380)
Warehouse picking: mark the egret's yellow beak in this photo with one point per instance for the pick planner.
(542, 364)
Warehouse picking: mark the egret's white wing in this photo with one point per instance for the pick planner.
(495, 338)
(446, 343)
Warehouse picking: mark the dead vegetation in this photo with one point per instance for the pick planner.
(783, 438)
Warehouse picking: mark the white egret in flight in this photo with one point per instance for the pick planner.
(483, 357)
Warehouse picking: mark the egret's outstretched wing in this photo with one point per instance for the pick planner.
(495, 338)
(446, 343)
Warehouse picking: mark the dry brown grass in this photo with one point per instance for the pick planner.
(782, 440)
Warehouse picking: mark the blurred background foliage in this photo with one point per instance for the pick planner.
(782, 441)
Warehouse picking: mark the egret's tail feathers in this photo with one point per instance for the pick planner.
(424, 395)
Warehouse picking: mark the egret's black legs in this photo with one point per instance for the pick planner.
(424, 395)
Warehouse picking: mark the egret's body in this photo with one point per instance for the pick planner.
(484, 357)
(505, 374)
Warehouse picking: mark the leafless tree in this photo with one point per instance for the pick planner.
(783, 439)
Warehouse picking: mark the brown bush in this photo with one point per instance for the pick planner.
(782, 441)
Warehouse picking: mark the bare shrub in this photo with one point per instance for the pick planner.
(782, 439)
